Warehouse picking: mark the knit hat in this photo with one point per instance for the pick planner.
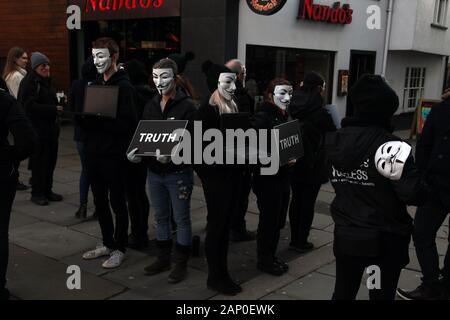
(137, 72)
(212, 72)
(37, 59)
(312, 80)
(372, 97)
(181, 59)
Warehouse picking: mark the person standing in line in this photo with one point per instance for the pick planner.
(13, 74)
(76, 104)
(244, 103)
(38, 97)
(310, 172)
(107, 141)
(272, 191)
(14, 121)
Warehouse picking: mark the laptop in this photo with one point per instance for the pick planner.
(101, 101)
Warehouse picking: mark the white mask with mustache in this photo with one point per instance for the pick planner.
(102, 60)
(282, 96)
(164, 80)
(227, 85)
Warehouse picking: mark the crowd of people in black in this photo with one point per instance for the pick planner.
(372, 171)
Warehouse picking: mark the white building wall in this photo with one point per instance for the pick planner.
(284, 30)
(398, 61)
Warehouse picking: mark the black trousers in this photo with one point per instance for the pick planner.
(349, 269)
(43, 163)
(138, 203)
(219, 187)
(8, 187)
(238, 223)
(272, 194)
(107, 178)
(428, 220)
(301, 211)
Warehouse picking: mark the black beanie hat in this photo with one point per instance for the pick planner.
(312, 80)
(373, 98)
(181, 59)
(212, 72)
(88, 70)
(137, 72)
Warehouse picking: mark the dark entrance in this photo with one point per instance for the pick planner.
(361, 62)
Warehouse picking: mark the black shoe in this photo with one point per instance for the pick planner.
(274, 268)
(21, 186)
(224, 286)
(82, 212)
(242, 236)
(54, 197)
(282, 264)
(4, 294)
(424, 292)
(302, 248)
(40, 201)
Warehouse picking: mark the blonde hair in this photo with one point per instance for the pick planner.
(223, 105)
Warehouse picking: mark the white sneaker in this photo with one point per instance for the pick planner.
(116, 259)
(98, 252)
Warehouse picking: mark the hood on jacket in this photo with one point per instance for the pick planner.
(179, 96)
(120, 76)
(304, 103)
(348, 147)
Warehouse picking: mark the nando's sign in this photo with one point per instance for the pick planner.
(266, 7)
(335, 13)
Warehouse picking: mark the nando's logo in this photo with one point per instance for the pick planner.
(266, 7)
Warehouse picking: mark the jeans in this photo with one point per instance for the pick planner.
(174, 191)
(84, 179)
(428, 220)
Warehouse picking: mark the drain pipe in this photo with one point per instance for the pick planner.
(388, 37)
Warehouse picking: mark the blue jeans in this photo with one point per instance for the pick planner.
(174, 191)
(84, 180)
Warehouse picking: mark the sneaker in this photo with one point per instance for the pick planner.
(98, 252)
(281, 263)
(302, 248)
(422, 292)
(116, 259)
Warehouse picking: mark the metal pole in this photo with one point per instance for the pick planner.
(388, 36)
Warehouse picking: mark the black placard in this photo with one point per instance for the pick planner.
(152, 135)
(290, 144)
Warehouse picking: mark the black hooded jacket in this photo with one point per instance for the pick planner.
(364, 198)
(12, 119)
(38, 97)
(315, 122)
(244, 102)
(109, 138)
(180, 108)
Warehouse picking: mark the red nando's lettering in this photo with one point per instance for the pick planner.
(332, 14)
(116, 5)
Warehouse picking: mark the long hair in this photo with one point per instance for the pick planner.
(11, 66)
(223, 105)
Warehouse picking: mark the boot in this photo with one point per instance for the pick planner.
(181, 258)
(162, 262)
(82, 212)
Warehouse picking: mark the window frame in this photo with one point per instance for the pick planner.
(414, 87)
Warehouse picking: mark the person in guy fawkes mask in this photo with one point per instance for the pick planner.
(38, 97)
(138, 203)
(76, 103)
(107, 140)
(14, 121)
(310, 172)
(433, 154)
(374, 175)
(245, 103)
(170, 185)
(219, 181)
(272, 191)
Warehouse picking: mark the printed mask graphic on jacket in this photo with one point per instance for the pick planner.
(227, 85)
(282, 96)
(102, 60)
(164, 80)
(390, 159)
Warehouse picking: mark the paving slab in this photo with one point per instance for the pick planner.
(61, 213)
(326, 197)
(321, 221)
(32, 276)
(311, 261)
(66, 176)
(51, 240)
(19, 219)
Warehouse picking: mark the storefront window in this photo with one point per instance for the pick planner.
(265, 63)
(414, 88)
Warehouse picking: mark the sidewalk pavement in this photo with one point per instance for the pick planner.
(44, 241)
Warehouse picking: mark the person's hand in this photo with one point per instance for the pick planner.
(291, 163)
(132, 157)
(162, 159)
(59, 108)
